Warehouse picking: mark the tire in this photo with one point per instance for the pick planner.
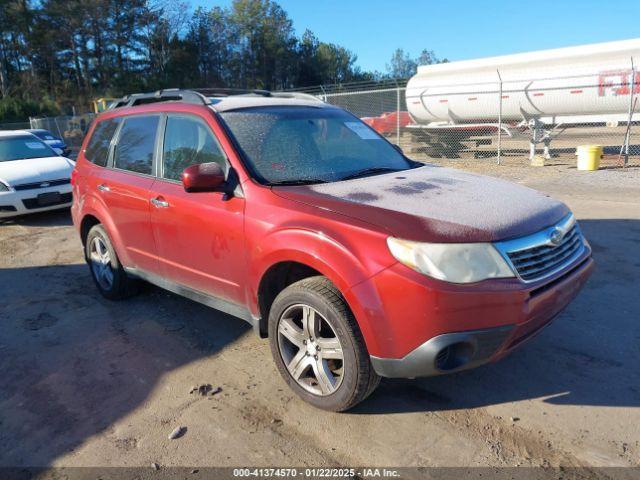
(310, 322)
(107, 273)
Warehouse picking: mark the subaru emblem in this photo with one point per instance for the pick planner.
(555, 237)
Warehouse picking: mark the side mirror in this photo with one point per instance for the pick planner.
(203, 177)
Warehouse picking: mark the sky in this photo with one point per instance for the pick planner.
(458, 30)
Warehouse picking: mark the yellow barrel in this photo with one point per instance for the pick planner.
(589, 156)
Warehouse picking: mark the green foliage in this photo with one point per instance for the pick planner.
(78, 50)
(403, 66)
(17, 110)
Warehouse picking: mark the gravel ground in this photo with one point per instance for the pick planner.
(87, 382)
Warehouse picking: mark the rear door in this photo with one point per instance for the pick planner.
(89, 174)
(125, 188)
(199, 236)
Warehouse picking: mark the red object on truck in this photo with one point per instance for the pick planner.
(388, 121)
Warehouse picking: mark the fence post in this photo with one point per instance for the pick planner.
(627, 137)
(324, 94)
(499, 115)
(397, 114)
(55, 121)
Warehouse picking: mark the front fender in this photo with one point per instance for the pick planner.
(343, 261)
(322, 254)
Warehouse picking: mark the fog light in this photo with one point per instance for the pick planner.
(454, 356)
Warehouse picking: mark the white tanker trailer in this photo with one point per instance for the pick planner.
(546, 91)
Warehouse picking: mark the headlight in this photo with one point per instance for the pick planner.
(451, 262)
(3, 187)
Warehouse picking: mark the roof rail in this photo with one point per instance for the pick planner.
(166, 95)
(298, 95)
(226, 92)
(199, 96)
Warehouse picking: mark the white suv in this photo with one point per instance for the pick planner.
(33, 177)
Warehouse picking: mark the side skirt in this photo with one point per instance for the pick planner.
(197, 296)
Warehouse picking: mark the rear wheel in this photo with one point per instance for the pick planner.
(107, 272)
(318, 347)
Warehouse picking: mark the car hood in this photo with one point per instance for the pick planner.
(434, 204)
(32, 170)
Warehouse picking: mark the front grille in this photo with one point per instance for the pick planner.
(43, 184)
(31, 203)
(541, 260)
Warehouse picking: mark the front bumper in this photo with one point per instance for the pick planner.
(21, 202)
(416, 326)
(445, 353)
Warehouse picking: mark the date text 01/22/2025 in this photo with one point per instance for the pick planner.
(316, 472)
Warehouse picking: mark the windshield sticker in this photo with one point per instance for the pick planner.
(34, 145)
(362, 130)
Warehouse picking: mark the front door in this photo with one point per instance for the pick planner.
(199, 236)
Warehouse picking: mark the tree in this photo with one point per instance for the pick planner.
(401, 65)
(265, 40)
(308, 71)
(15, 31)
(75, 50)
(426, 57)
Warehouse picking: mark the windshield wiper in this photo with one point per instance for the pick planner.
(299, 181)
(370, 171)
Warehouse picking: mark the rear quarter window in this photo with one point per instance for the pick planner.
(97, 150)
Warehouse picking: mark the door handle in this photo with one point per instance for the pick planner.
(104, 188)
(159, 202)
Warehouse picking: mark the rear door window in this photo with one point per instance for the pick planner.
(189, 141)
(97, 150)
(136, 144)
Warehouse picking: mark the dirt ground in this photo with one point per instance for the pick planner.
(88, 382)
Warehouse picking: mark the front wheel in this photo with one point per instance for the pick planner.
(318, 347)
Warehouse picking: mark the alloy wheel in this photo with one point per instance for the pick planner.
(310, 349)
(101, 263)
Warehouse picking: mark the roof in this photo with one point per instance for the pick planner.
(13, 133)
(223, 104)
(220, 99)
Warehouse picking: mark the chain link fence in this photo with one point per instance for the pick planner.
(538, 119)
(15, 126)
(532, 118)
(71, 129)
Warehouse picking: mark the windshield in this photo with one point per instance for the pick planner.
(23, 147)
(310, 145)
(44, 135)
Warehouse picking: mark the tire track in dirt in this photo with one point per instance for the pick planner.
(512, 445)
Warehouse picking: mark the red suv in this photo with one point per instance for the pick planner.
(295, 216)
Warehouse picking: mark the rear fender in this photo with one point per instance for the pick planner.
(94, 206)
